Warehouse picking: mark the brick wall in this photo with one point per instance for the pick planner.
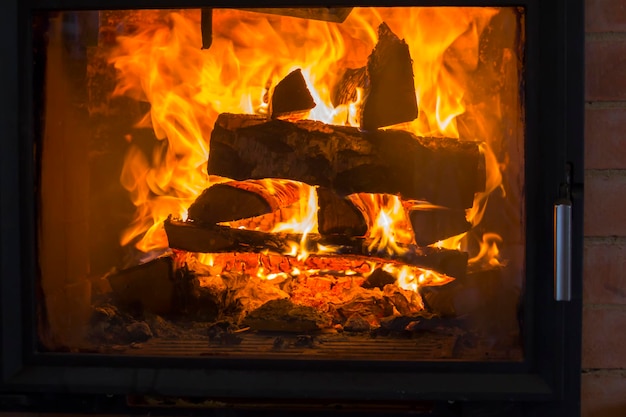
(604, 293)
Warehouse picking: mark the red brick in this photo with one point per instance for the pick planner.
(605, 204)
(605, 144)
(604, 338)
(603, 394)
(605, 66)
(603, 272)
(605, 16)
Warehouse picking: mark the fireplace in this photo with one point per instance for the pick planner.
(324, 209)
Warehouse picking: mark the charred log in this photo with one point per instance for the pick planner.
(378, 279)
(193, 237)
(390, 96)
(430, 226)
(236, 200)
(291, 96)
(338, 215)
(442, 171)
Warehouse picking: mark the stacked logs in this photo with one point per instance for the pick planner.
(339, 161)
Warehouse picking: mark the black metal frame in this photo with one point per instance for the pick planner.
(547, 383)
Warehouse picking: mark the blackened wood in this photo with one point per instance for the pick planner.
(236, 200)
(338, 215)
(345, 91)
(291, 96)
(443, 171)
(430, 226)
(390, 96)
(148, 287)
(378, 279)
(193, 237)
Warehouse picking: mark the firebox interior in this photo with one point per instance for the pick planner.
(310, 184)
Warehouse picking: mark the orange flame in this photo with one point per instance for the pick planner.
(187, 87)
(388, 225)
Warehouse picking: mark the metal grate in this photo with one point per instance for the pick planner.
(335, 346)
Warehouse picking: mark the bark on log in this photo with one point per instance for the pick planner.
(390, 96)
(214, 239)
(291, 97)
(443, 171)
(430, 226)
(337, 215)
(236, 200)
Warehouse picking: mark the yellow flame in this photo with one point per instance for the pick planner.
(411, 278)
(388, 224)
(489, 253)
(162, 63)
(304, 221)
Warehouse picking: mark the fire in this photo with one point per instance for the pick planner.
(489, 252)
(304, 221)
(161, 63)
(388, 225)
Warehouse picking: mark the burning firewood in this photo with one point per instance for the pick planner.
(443, 171)
(214, 239)
(390, 96)
(236, 200)
(378, 279)
(338, 215)
(291, 97)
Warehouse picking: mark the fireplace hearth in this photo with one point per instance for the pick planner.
(216, 208)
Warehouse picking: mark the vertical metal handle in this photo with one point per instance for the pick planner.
(563, 250)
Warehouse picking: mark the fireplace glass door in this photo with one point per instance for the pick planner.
(291, 183)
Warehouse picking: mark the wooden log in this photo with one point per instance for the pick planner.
(291, 97)
(338, 215)
(193, 237)
(390, 97)
(236, 200)
(148, 287)
(443, 171)
(433, 225)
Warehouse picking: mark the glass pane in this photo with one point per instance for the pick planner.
(283, 183)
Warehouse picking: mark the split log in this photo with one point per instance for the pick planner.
(148, 287)
(433, 225)
(291, 97)
(215, 239)
(390, 97)
(443, 171)
(236, 200)
(338, 215)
